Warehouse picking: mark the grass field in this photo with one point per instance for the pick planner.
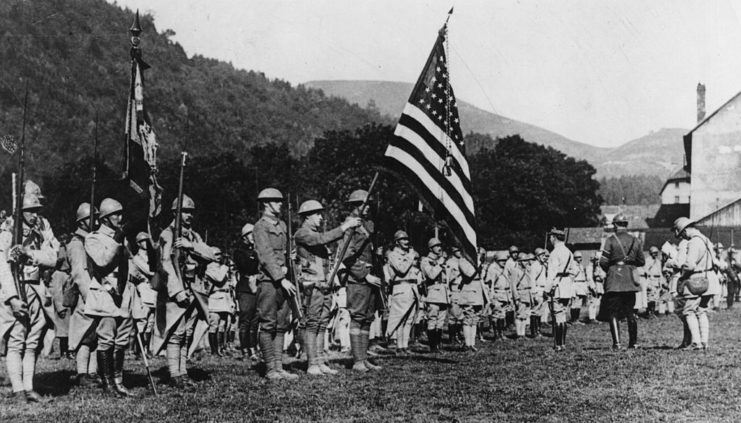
(514, 380)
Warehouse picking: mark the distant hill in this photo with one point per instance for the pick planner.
(658, 153)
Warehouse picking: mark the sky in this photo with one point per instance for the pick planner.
(598, 72)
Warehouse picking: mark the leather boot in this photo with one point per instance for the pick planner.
(311, 353)
(278, 346)
(615, 332)
(432, 340)
(557, 335)
(564, 328)
(105, 381)
(214, 343)
(220, 337)
(632, 333)
(118, 362)
(268, 354)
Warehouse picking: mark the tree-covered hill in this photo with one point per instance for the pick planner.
(74, 56)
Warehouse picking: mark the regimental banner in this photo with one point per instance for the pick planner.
(428, 150)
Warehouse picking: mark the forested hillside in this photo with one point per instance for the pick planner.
(74, 56)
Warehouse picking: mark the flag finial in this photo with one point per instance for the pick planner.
(136, 27)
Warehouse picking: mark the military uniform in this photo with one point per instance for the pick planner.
(57, 282)
(438, 296)
(22, 335)
(144, 301)
(220, 305)
(472, 300)
(404, 302)
(539, 308)
(652, 275)
(581, 289)
(500, 294)
(560, 286)
(596, 279)
(313, 257)
(521, 286)
(246, 263)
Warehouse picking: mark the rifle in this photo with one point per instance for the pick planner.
(296, 302)
(15, 266)
(95, 171)
(177, 259)
(144, 359)
(351, 233)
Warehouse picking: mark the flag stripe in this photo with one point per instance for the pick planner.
(415, 113)
(414, 145)
(465, 235)
(435, 187)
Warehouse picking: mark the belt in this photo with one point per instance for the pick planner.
(398, 281)
(500, 290)
(32, 282)
(580, 281)
(562, 275)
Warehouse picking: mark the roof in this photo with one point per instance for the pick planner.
(688, 136)
(709, 216)
(667, 214)
(584, 235)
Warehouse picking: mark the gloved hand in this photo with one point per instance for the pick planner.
(19, 308)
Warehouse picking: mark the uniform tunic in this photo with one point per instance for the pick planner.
(453, 272)
(560, 282)
(621, 255)
(653, 276)
(698, 262)
(81, 326)
(404, 301)
(521, 285)
(271, 243)
(358, 260)
(438, 295)
(472, 295)
(145, 298)
(539, 276)
(500, 294)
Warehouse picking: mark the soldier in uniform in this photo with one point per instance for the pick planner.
(245, 260)
(455, 314)
(145, 300)
(274, 289)
(539, 308)
(220, 302)
(176, 312)
(23, 322)
(473, 298)
(110, 294)
(404, 301)
(621, 255)
(509, 268)
(696, 265)
(59, 277)
(438, 296)
(596, 287)
(653, 277)
(82, 327)
(521, 287)
(313, 256)
(560, 284)
(363, 288)
(500, 294)
(581, 288)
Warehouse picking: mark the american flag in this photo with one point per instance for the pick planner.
(428, 150)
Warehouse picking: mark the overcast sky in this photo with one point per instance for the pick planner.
(600, 72)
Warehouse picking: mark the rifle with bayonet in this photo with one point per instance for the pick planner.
(178, 260)
(296, 303)
(16, 256)
(91, 226)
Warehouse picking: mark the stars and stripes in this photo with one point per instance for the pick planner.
(428, 150)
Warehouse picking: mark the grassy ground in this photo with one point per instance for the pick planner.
(514, 380)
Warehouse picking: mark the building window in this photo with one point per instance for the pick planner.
(676, 185)
(676, 199)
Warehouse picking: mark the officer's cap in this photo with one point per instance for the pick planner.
(557, 232)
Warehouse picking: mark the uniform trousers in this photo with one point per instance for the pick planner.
(114, 332)
(559, 308)
(273, 308)
(217, 321)
(22, 342)
(436, 314)
(361, 302)
(247, 319)
(471, 314)
(317, 309)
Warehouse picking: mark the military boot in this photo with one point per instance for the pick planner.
(118, 362)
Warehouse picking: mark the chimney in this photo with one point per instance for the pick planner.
(700, 102)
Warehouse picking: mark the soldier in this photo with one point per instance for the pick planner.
(220, 302)
(500, 294)
(596, 287)
(23, 322)
(404, 302)
(110, 294)
(473, 298)
(696, 266)
(539, 308)
(455, 314)
(621, 255)
(363, 288)
(82, 328)
(438, 296)
(521, 287)
(652, 275)
(274, 289)
(245, 260)
(509, 268)
(313, 256)
(581, 289)
(184, 286)
(62, 312)
(145, 298)
(560, 284)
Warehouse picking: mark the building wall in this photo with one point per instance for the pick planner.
(716, 161)
(676, 193)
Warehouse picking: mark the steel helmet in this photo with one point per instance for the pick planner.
(31, 202)
(83, 211)
(358, 196)
(682, 223)
(30, 187)
(433, 242)
(270, 194)
(501, 256)
(142, 236)
(110, 206)
(620, 218)
(653, 249)
(539, 251)
(578, 254)
(514, 249)
(309, 207)
(400, 235)
(247, 228)
(188, 204)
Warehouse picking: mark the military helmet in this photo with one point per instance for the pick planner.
(188, 204)
(110, 206)
(216, 251)
(400, 235)
(310, 206)
(525, 257)
(620, 218)
(358, 196)
(30, 187)
(142, 236)
(719, 246)
(682, 223)
(557, 232)
(653, 249)
(247, 228)
(540, 251)
(578, 254)
(501, 256)
(433, 242)
(514, 249)
(83, 212)
(269, 195)
(31, 202)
